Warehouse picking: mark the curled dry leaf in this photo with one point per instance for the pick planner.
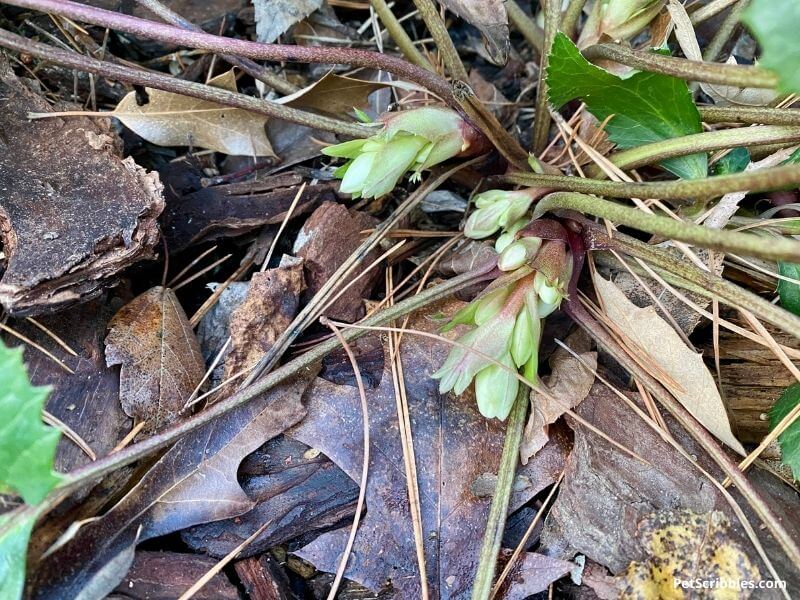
(160, 357)
(569, 383)
(491, 19)
(275, 17)
(174, 120)
(658, 344)
(334, 95)
(73, 213)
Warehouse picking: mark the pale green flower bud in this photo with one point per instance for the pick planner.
(483, 222)
(519, 253)
(490, 304)
(509, 235)
(496, 389)
(497, 209)
(618, 19)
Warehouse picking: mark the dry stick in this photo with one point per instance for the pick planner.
(762, 180)
(690, 424)
(399, 35)
(541, 121)
(178, 86)
(52, 336)
(364, 463)
(532, 33)
(452, 61)
(682, 68)
(254, 50)
(245, 64)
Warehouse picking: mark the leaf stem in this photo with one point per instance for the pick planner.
(749, 115)
(726, 241)
(399, 35)
(541, 121)
(572, 13)
(690, 70)
(245, 64)
(452, 61)
(709, 10)
(655, 152)
(498, 512)
(761, 180)
(179, 86)
(532, 33)
(254, 50)
(725, 30)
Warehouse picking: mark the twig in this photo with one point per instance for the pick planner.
(690, 70)
(571, 16)
(761, 180)
(399, 35)
(438, 30)
(498, 512)
(541, 121)
(532, 33)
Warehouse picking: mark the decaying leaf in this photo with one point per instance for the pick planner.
(326, 240)
(72, 212)
(454, 447)
(490, 18)
(160, 357)
(274, 17)
(194, 482)
(174, 120)
(334, 95)
(687, 547)
(660, 344)
(533, 574)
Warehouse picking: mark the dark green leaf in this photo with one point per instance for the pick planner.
(646, 107)
(27, 446)
(735, 161)
(789, 440)
(789, 292)
(774, 24)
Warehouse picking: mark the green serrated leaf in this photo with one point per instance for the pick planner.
(735, 161)
(15, 530)
(27, 446)
(775, 23)
(646, 107)
(789, 292)
(789, 440)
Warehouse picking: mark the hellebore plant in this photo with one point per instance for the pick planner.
(506, 319)
(618, 19)
(411, 140)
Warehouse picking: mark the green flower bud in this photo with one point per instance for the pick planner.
(519, 253)
(490, 304)
(498, 209)
(618, 19)
(496, 389)
(483, 222)
(523, 340)
(509, 235)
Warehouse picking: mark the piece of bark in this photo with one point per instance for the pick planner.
(167, 575)
(328, 238)
(160, 357)
(73, 213)
(263, 579)
(232, 209)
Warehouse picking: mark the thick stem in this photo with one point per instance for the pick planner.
(254, 50)
(541, 121)
(498, 512)
(690, 70)
(750, 115)
(725, 31)
(399, 35)
(452, 61)
(726, 241)
(569, 20)
(179, 86)
(245, 64)
(532, 33)
(648, 154)
(762, 180)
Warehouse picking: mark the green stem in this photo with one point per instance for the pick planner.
(708, 141)
(399, 35)
(541, 121)
(245, 64)
(726, 241)
(709, 10)
(532, 33)
(725, 31)
(690, 70)
(452, 61)
(179, 86)
(762, 180)
(498, 512)
(749, 115)
(569, 20)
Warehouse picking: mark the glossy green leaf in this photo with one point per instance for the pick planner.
(646, 107)
(789, 440)
(775, 23)
(27, 445)
(789, 292)
(15, 530)
(734, 161)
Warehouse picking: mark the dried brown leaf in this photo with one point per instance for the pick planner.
(334, 95)
(275, 17)
(160, 357)
(491, 19)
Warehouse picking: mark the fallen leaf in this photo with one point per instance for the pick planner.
(326, 240)
(165, 575)
(73, 213)
(490, 18)
(454, 447)
(334, 95)
(194, 482)
(657, 342)
(686, 547)
(532, 574)
(213, 330)
(170, 119)
(274, 17)
(569, 383)
(160, 357)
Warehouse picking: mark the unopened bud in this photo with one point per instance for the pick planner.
(518, 253)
